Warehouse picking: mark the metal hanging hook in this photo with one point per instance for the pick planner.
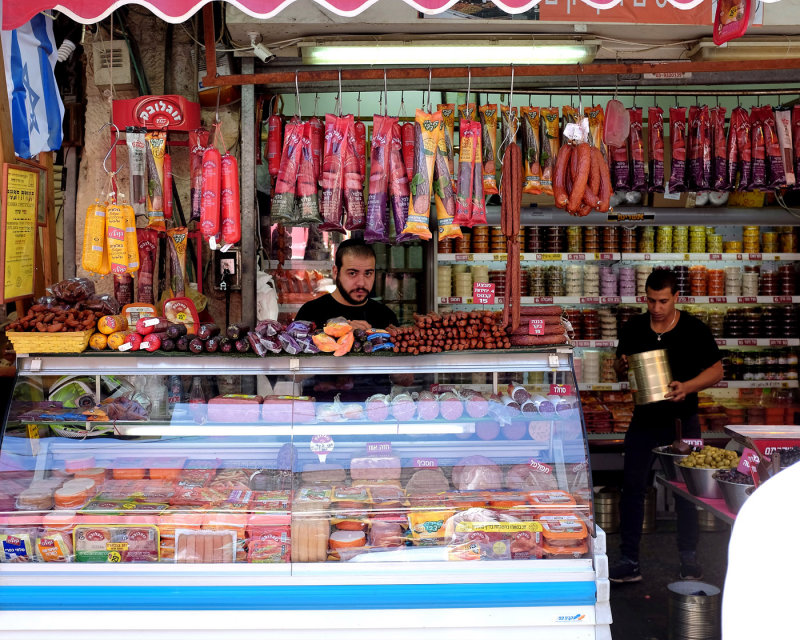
(316, 102)
(358, 108)
(430, 81)
(339, 97)
(469, 85)
(297, 96)
(385, 95)
(635, 89)
(113, 146)
(216, 114)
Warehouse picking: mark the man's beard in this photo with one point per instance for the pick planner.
(348, 298)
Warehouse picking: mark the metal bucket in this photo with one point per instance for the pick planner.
(694, 611)
(649, 376)
(708, 522)
(606, 508)
(667, 460)
(649, 520)
(734, 494)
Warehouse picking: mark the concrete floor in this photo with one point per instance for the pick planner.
(640, 609)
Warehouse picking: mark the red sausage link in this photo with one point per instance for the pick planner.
(210, 198)
(560, 176)
(579, 184)
(231, 218)
(167, 186)
(274, 144)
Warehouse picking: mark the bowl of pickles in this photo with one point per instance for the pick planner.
(699, 467)
(734, 486)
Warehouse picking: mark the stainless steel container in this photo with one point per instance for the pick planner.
(649, 376)
(694, 610)
(700, 482)
(668, 460)
(734, 494)
(606, 508)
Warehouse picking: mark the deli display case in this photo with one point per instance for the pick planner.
(346, 496)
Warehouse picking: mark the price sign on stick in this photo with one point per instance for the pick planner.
(748, 463)
(483, 293)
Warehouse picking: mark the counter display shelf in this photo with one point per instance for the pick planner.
(361, 496)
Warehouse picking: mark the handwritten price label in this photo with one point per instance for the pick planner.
(748, 462)
(536, 327)
(383, 448)
(483, 293)
(322, 446)
(539, 467)
(693, 442)
(425, 463)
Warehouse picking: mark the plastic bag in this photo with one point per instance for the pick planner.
(73, 289)
(636, 147)
(266, 297)
(655, 122)
(677, 138)
(378, 198)
(531, 150)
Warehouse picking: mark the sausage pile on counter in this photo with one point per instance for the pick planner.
(434, 333)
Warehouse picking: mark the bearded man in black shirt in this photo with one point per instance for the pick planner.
(696, 364)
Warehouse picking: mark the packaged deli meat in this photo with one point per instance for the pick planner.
(477, 473)
(116, 543)
(310, 538)
(195, 547)
(375, 467)
(527, 477)
(427, 406)
(427, 481)
(234, 407)
(386, 534)
(288, 410)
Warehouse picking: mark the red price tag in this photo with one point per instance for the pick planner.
(536, 327)
(539, 467)
(560, 389)
(483, 293)
(693, 442)
(748, 463)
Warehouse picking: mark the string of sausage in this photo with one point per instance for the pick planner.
(510, 206)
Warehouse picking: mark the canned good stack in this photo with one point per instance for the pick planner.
(610, 239)
(574, 280)
(750, 281)
(743, 323)
(444, 280)
(697, 281)
(463, 244)
(715, 319)
(627, 281)
(760, 365)
(536, 281)
(609, 285)
(591, 324)
(445, 246)
(628, 240)
(664, 239)
(591, 240)
(498, 279)
(555, 240)
(591, 280)
(715, 279)
(643, 271)
(480, 273)
(778, 322)
(574, 239)
(575, 318)
(607, 372)
(497, 242)
(608, 324)
(462, 281)
(786, 280)
(731, 246)
(591, 365)
(733, 281)
(680, 240)
(533, 240)
(697, 239)
(626, 313)
(788, 239)
(555, 281)
(681, 272)
(769, 242)
(480, 240)
(751, 240)
(714, 243)
(647, 239)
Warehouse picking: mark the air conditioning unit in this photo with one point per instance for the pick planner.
(111, 62)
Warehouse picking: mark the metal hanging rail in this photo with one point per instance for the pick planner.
(683, 93)
(328, 75)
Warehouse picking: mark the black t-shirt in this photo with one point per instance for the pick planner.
(691, 349)
(322, 309)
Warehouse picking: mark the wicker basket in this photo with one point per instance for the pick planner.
(61, 342)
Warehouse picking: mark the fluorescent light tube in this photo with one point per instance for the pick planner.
(415, 54)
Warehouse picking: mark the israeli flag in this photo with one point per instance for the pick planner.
(36, 109)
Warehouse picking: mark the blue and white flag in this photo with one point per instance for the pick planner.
(36, 109)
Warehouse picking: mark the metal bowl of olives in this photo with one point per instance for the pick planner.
(734, 486)
(668, 459)
(699, 467)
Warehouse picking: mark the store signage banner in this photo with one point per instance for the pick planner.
(18, 13)
(29, 53)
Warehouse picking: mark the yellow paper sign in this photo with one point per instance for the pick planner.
(20, 201)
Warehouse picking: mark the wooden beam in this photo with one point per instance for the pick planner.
(209, 33)
(50, 253)
(329, 75)
(6, 134)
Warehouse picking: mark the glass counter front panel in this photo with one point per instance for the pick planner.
(405, 466)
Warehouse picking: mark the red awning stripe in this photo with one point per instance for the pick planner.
(18, 12)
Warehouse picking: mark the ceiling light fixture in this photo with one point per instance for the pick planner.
(500, 52)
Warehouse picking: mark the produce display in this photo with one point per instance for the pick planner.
(710, 458)
(72, 306)
(733, 476)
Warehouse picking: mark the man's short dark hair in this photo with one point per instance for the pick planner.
(353, 247)
(661, 279)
